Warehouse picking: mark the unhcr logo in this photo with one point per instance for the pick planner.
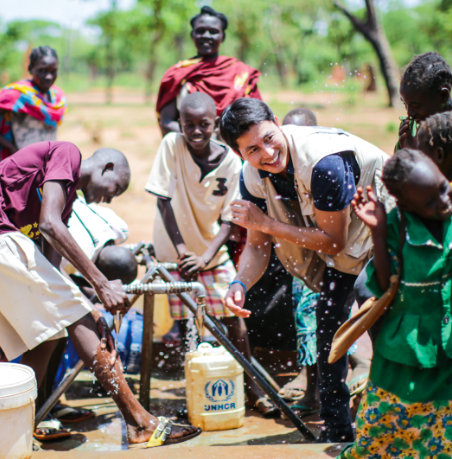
(219, 392)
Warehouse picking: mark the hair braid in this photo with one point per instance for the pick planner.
(209, 11)
(38, 53)
(398, 168)
(428, 70)
(437, 130)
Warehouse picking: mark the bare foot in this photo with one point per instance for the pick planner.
(294, 389)
(141, 434)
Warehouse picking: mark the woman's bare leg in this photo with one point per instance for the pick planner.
(140, 424)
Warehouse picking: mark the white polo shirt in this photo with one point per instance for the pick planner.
(198, 204)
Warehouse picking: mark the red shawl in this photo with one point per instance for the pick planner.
(225, 79)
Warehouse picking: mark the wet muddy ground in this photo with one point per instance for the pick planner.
(105, 434)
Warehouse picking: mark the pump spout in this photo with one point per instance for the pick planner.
(200, 292)
(176, 287)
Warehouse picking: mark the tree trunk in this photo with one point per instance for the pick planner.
(374, 34)
(110, 71)
(109, 51)
(158, 28)
(151, 65)
(274, 26)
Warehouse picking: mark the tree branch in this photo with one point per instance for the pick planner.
(359, 25)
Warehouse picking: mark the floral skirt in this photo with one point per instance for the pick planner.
(387, 428)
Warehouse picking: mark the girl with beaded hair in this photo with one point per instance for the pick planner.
(434, 138)
(32, 109)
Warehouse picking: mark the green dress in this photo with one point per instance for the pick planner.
(413, 351)
(406, 410)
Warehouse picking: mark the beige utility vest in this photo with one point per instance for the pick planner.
(307, 146)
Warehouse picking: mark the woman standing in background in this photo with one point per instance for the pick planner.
(31, 110)
(223, 78)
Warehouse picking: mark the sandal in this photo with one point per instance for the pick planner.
(68, 414)
(303, 411)
(267, 408)
(161, 434)
(50, 429)
(291, 393)
(357, 385)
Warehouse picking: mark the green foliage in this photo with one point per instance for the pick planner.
(8, 39)
(293, 44)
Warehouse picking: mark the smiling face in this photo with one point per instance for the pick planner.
(420, 104)
(44, 73)
(264, 147)
(207, 35)
(427, 192)
(197, 126)
(106, 183)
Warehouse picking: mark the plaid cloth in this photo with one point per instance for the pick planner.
(216, 281)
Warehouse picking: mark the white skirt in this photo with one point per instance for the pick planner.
(37, 302)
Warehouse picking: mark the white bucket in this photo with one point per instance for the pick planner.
(18, 391)
(214, 388)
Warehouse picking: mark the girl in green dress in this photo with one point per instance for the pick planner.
(406, 411)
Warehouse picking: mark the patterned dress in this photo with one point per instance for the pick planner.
(406, 411)
(388, 427)
(305, 302)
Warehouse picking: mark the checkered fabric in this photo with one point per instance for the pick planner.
(216, 281)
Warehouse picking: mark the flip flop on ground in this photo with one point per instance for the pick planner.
(302, 411)
(293, 390)
(161, 434)
(50, 429)
(68, 414)
(267, 408)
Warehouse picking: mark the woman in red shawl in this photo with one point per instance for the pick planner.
(225, 79)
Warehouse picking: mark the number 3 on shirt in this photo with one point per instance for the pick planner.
(222, 188)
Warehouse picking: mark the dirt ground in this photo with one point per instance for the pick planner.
(131, 127)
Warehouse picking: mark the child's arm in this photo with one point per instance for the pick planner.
(170, 224)
(190, 263)
(373, 214)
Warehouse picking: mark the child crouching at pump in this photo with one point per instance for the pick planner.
(195, 180)
(406, 410)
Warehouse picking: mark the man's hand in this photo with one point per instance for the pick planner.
(371, 212)
(235, 300)
(406, 138)
(248, 215)
(113, 297)
(189, 265)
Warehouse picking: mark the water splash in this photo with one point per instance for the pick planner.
(192, 333)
